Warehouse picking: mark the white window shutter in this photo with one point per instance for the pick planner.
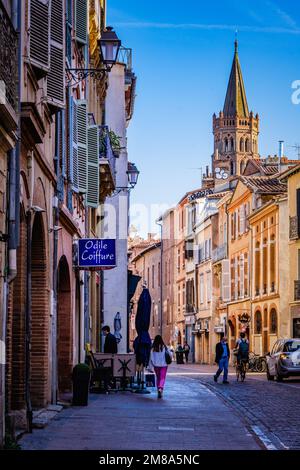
(93, 167)
(81, 21)
(82, 145)
(208, 286)
(39, 35)
(242, 274)
(56, 75)
(243, 216)
(226, 281)
(236, 278)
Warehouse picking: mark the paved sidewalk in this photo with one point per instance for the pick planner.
(188, 417)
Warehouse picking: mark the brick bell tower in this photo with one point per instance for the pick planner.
(235, 129)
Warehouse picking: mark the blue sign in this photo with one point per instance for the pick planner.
(95, 252)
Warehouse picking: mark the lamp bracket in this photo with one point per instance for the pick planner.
(76, 75)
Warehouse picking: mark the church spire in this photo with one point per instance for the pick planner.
(236, 101)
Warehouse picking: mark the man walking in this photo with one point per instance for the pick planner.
(110, 345)
(222, 359)
(186, 348)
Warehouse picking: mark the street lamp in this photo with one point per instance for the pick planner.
(109, 45)
(132, 174)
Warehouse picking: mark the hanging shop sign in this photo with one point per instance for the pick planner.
(96, 253)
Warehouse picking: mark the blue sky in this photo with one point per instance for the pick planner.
(182, 55)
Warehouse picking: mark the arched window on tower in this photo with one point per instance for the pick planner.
(242, 145)
(247, 145)
(231, 143)
(242, 167)
(226, 144)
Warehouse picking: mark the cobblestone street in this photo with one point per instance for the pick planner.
(190, 416)
(270, 409)
(195, 413)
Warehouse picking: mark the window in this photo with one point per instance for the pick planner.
(158, 274)
(258, 323)
(241, 145)
(201, 289)
(247, 145)
(272, 262)
(265, 265)
(273, 322)
(208, 286)
(257, 268)
(148, 277)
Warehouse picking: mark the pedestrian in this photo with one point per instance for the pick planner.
(222, 359)
(186, 348)
(160, 358)
(110, 344)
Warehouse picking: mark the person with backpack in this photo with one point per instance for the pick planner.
(242, 346)
(160, 358)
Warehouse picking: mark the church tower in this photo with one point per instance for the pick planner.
(235, 129)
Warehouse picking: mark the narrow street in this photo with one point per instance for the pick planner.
(194, 414)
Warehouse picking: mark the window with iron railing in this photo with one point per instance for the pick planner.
(8, 60)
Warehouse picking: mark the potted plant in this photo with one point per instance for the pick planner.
(81, 376)
(115, 141)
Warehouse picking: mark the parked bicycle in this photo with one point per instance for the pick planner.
(257, 363)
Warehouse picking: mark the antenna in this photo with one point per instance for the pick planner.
(296, 147)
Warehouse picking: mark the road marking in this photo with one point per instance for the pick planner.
(264, 439)
(170, 428)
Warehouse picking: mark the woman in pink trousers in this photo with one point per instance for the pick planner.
(160, 358)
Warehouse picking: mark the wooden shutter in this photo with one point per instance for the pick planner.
(243, 218)
(93, 167)
(56, 75)
(242, 276)
(82, 145)
(39, 35)
(236, 278)
(226, 281)
(74, 139)
(81, 21)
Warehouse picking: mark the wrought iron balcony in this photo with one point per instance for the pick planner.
(294, 227)
(8, 60)
(219, 253)
(296, 290)
(107, 163)
(125, 57)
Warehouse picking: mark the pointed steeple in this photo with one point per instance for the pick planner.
(236, 101)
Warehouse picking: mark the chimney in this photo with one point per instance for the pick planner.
(281, 148)
(207, 171)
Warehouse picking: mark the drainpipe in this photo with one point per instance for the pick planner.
(55, 267)
(28, 323)
(161, 276)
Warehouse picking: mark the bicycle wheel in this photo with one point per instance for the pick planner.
(263, 365)
(243, 371)
(237, 371)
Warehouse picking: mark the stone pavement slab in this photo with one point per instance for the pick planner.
(189, 417)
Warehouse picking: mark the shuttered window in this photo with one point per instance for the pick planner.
(39, 35)
(226, 281)
(74, 147)
(93, 167)
(81, 21)
(242, 275)
(82, 145)
(56, 75)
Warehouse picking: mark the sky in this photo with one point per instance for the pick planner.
(182, 56)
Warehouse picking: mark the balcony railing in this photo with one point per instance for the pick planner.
(296, 290)
(294, 227)
(8, 60)
(106, 152)
(125, 57)
(219, 253)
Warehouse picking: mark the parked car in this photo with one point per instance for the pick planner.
(284, 359)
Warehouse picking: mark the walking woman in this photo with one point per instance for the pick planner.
(160, 358)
